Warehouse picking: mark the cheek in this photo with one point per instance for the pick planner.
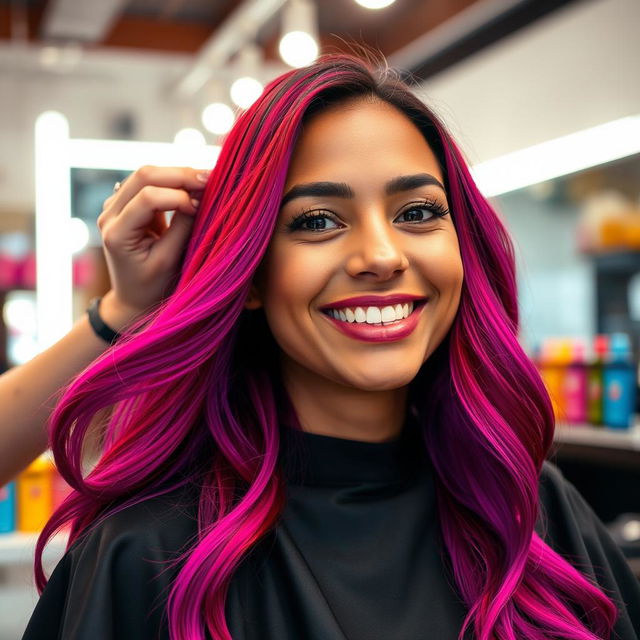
(442, 265)
(294, 278)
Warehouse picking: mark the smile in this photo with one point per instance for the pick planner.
(373, 315)
(377, 324)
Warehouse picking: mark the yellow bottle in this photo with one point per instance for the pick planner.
(552, 371)
(35, 495)
(564, 355)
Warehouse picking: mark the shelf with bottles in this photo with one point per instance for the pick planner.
(591, 382)
(25, 506)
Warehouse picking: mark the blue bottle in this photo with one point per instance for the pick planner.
(619, 383)
(8, 508)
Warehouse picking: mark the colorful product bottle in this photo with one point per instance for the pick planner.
(574, 385)
(619, 380)
(552, 373)
(595, 382)
(34, 495)
(8, 508)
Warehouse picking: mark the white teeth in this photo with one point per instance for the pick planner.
(373, 315)
(389, 314)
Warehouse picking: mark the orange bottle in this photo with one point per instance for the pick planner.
(35, 495)
(552, 368)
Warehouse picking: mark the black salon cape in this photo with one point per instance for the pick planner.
(355, 557)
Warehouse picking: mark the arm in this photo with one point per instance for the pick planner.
(29, 392)
(143, 254)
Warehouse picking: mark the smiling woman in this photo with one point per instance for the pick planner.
(329, 429)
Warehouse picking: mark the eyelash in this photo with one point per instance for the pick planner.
(435, 207)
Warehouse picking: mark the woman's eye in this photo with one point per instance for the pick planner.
(416, 214)
(424, 213)
(312, 222)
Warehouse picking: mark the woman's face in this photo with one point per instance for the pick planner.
(370, 189)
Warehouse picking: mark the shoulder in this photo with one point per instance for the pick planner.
(566, 521)
(162, 525)
(571, 528)
(114, 580)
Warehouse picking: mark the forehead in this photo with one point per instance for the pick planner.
(360, 137)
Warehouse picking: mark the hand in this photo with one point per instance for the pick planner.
(143, 252)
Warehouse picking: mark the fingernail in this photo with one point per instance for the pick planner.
(203, 176)
(195, 203)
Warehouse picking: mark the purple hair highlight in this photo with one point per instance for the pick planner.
(193, 395)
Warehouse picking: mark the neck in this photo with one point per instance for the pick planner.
(327, 408)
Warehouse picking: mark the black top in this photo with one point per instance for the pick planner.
(356, 556)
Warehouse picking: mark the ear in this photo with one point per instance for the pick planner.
(253, 300)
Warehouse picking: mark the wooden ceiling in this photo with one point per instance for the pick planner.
(184, 26)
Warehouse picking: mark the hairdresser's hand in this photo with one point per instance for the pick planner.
(141, 251)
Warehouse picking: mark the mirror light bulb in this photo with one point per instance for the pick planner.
(218, 118)
(245, 91)
(78, 235)
(189, 137)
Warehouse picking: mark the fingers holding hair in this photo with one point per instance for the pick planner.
(186, 179)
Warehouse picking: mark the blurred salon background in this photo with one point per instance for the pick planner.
(542, 95)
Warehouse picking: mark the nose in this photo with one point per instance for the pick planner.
(377, 252)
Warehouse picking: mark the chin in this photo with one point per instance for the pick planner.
(386, 383)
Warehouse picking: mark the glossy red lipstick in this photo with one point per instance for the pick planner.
(380, 332)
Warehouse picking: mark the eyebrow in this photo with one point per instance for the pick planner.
(343, 190)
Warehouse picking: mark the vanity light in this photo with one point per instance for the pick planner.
(245, 91)
(218, 118)
(189, 137)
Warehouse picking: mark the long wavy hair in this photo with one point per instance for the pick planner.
(193, 394)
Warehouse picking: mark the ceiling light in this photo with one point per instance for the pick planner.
(245, 91)
(375, 4)
(298, 48)
(189, 137)
(218, 118)
(299, 44)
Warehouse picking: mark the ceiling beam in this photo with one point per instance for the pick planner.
(468, 32)
(237, 30)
